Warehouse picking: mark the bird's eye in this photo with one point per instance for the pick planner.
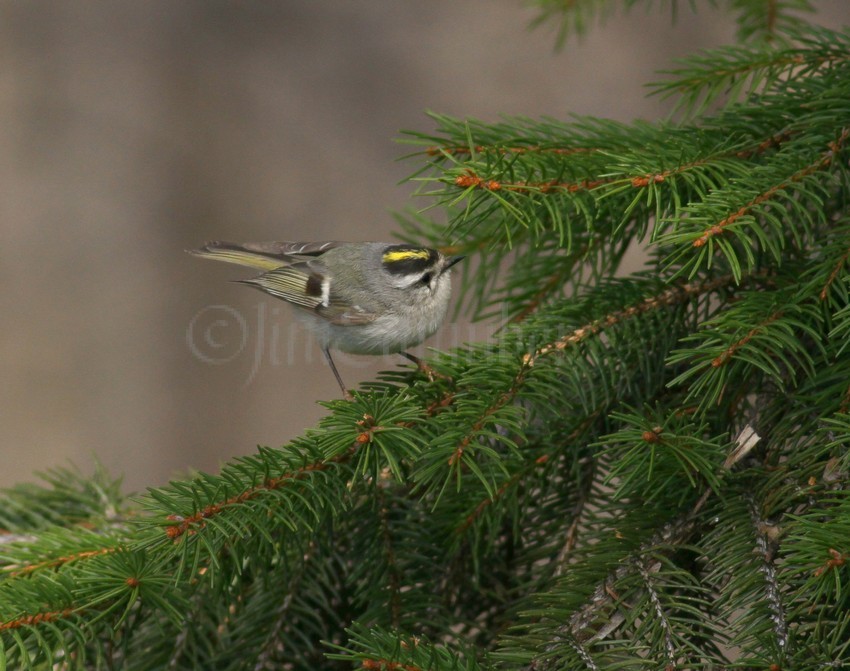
(426, 278)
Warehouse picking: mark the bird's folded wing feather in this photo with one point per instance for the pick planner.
(307, 284)
(346, 315)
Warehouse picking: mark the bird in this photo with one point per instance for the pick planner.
(356, 297)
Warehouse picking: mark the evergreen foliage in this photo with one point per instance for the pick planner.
(643, 472)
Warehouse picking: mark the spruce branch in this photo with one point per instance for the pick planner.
(737, 73)
(670, 648)
(179, 525)
(667, 298)
(767, 547)
(635, 472)
(837, 269)
(589, 474)
(756, 19)
(823, 162)
(380, 650)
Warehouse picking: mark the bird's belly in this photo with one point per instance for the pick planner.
(388, 334)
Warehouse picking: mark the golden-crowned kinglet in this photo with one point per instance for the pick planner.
(357, 297)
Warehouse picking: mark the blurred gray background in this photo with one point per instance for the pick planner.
(130, 131)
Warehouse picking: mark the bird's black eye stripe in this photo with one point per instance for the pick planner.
(408, 260)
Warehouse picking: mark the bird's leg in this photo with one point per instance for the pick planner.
(345, 392)
(429, 372)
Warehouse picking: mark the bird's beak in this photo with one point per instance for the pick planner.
(453, 260)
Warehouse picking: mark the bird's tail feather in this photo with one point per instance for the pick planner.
(243, 255)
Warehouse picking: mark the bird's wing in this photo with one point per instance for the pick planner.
(307, 284)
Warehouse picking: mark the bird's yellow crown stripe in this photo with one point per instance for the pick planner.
(405, 254)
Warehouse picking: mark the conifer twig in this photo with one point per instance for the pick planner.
(767, 541)
(824, 161)
(191, 523)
